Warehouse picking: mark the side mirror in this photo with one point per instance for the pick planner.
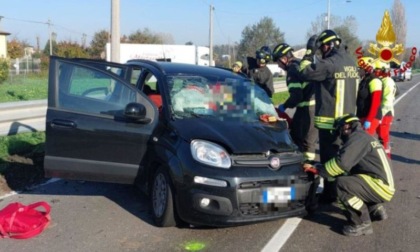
(136, 112)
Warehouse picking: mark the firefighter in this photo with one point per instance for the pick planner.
(262, 75)
(363, 173)
(335, 78)
(369, 96)
(388, 97)
(302, 97)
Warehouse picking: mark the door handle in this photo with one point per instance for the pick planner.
(63, 123)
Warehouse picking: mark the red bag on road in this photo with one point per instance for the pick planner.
(20, 222)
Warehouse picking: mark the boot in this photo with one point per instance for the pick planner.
(378, 212)
(357, 230)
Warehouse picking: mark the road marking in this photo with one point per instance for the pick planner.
(282, 235)
(408, 91)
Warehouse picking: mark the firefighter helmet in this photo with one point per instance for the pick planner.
(281, 50)
(379, 64)
(345, 125)
(264, 54)
(328, 37)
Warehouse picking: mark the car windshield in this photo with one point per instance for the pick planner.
(215, 97)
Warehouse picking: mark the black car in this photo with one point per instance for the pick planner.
(206, 144)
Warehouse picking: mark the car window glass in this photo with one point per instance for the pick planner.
(230, 98)
(92, 91)
(151, 81)
(135, 74)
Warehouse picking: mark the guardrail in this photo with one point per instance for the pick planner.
(19, 117)
(29, 116)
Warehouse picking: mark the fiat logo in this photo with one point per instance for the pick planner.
(274, 163)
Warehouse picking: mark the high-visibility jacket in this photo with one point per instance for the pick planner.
(364, 156)
(388, 96)
(301, 94)
(369, 98)
(336, 79)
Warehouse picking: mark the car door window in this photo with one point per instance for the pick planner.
(90, 90)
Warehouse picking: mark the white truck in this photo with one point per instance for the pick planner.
(190, 54)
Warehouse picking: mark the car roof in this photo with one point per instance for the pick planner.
(174, 68)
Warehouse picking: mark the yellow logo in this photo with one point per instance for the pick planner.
(386, 50)
(386, 38)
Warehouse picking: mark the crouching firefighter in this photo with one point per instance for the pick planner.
(363, 176)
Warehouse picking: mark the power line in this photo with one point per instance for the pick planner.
(27, 21)
(50, 24)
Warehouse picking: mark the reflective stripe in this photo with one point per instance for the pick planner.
(322, 122)
(309, 155)
(285, 50)
(306, 103)
(333, 168)
(384, 191)
(294, 85)
(304, 64)
(339, 100)
(328, 39)
(387, 168)
(355, 202)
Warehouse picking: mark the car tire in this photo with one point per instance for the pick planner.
(162, 200)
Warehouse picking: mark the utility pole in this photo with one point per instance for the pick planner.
(49, 31)
(328, 14)
(115, 31)
(211, 37)
(84, 40)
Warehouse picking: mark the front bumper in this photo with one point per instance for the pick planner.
(252, 194)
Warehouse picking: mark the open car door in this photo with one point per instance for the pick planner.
(98, 124)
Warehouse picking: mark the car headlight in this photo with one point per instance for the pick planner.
(210, 154)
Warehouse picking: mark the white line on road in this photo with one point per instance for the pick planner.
(287, 229)
(408, 91)
(281, 236)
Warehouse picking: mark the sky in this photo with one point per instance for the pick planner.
(189, 20)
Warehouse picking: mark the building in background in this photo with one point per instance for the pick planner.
(3, 44)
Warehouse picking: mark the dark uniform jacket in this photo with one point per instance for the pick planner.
(301, 94)
(363, 155)
(263, 77)
(337, 78)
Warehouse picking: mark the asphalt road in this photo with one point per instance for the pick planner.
(108, 217)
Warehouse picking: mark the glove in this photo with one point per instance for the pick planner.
(281, 108)
(366, 125)
(310, 168)
(311, 48)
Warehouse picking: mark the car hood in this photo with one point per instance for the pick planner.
(238, 137)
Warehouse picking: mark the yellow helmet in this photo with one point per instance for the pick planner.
(379, 64)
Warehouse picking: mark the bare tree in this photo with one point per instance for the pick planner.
(320, 24)
(345, 28)
(398, 22)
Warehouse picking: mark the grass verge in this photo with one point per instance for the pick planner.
(24, 88)
(20, 144)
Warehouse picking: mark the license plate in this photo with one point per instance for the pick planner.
(278, 194)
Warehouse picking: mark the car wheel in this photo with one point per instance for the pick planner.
(162, 200)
